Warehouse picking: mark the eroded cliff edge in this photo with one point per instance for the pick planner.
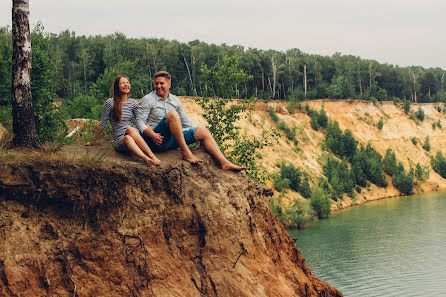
(71, 228)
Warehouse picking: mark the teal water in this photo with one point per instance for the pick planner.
(391, 247)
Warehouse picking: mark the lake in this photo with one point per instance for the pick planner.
(390, 247)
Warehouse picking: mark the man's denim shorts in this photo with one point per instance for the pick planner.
(169, 142)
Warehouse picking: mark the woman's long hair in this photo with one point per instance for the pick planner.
(117, 98)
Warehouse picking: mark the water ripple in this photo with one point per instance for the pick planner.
(393, 247)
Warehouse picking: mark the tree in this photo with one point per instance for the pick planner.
(22, 107)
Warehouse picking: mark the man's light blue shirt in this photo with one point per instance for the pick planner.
(153, 108)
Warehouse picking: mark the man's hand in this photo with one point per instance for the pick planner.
(157, 138)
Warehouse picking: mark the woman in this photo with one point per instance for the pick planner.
(119, 111)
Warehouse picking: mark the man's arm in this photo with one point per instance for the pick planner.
(142, 113)
(185, 120)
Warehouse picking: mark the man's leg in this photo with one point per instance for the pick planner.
(176, 129)
(206, 139)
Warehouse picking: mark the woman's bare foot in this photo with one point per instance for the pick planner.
(232, 167)
(191, 158)
(150, 162)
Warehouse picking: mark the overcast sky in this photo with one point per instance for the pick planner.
(400, 32)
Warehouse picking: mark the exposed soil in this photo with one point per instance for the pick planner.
(72, 224)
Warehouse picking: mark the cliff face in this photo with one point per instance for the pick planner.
(361, 118)
(68, 228)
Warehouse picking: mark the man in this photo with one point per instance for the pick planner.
(164, 125)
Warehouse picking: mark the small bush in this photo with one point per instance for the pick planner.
(380, 124)
(414, 140)
(420, 114)
(406, 107)
(273, 114)
(320, 202)
(427, 144)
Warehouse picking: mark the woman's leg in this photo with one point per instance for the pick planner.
(134, 149)
(142, 145)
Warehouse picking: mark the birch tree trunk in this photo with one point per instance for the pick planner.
(274, 68)
(22, 106)
(305, 80)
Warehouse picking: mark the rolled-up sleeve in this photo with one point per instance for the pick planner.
(142, 113)
(185, 120)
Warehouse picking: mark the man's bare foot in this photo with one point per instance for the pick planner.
(232, 167)
(191, 158)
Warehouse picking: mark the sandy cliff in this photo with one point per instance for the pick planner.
(361, 118)
(70, 226)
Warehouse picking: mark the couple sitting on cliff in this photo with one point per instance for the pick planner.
(161, 124)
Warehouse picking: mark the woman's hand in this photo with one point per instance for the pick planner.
(89, 143)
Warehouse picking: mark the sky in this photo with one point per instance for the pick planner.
(399, 32)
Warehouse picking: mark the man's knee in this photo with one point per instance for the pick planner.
(202, 133)
(172, 115)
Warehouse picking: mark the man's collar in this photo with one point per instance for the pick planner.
(158, 97)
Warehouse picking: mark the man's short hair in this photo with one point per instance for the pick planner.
(162, 74)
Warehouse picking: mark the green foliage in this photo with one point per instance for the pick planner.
(422, 172)
(406, 107)
(83, 106)
(427, 145)
(50, 124)
(439, 164)
(222, 115)
(222, 80)
(305, 189)
(313, 122)
(322, 118)
(414, 140)
(281, 183)
(420, 114)
(293, 174)
(296, 215)
(245, 151)
(5, 66)
(289, 132)
(341, 179)
(389, 162)
(273, 114)
(380, 124)
(403, 181)
(342, 144)
(293, 105)
(439, 124)
(320, 202)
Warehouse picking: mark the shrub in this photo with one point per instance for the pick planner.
(281, 183)
(406, 107)
(420, 114)
(320, 202)
(380, 124)
(439, 164)
(402, 181)
(273, 114)
(422, 173)
(322, 118)
(414, 140)
(291, 173)
(313, 122)
(427, 144)
(389, 162)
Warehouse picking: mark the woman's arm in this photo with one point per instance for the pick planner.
(106, 108)
(96, 135)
